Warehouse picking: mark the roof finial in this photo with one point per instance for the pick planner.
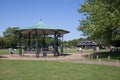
(40, 19)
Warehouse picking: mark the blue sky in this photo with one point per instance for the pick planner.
(56, 13)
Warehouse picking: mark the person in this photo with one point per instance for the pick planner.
(80, 50)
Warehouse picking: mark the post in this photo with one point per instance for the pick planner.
(20, 44)
(36, 45)
(97, 57)
(108, 57)
(99, 60)
(62, 46)
(29, 42)
(55, 42)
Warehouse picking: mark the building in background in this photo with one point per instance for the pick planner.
(87, 44)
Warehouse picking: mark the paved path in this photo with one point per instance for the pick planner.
(78, 58)
(73, 58)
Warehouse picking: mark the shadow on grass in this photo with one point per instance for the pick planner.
(64, 54)
(113, 55)
(3, 57)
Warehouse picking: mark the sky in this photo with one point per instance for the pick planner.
(61, 14)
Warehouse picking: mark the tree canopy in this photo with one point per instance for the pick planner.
(101, 21)
(9, 38)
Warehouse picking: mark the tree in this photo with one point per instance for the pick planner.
(2, 43)
(10, 38)
(101, 21)
(73, 42)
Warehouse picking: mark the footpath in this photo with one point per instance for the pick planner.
(73, 58)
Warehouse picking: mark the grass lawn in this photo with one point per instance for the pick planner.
(106, 56)
(74, 50)
(45, 70)
(6, 51)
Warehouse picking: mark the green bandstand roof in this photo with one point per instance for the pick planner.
(41, 28)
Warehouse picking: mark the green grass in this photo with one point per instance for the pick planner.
(74, 50)
(105, 56)
(6, 51)
(45, 70)
(70, 51)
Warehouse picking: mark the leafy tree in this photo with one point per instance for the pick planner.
(101, 21)
(73, 42)
(10, 38)
(2, 43)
